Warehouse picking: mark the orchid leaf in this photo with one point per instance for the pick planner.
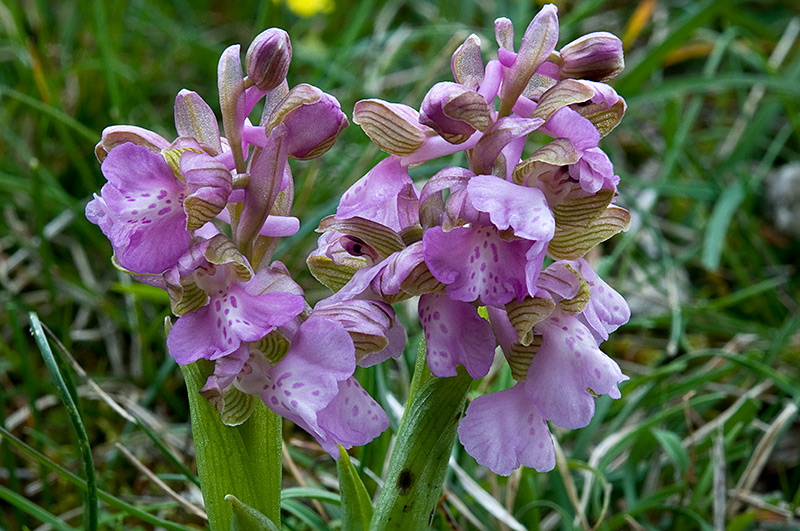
(245, 518)
(356, 504)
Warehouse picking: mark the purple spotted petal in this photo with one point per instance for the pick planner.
(455, 335)
(140, 210)
(307, 379)
(567, 364)
(606, 310)
(476, 263)
(353, 418)
(218, 328)
(520, 208)
(503, 431)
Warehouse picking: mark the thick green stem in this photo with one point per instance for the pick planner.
(419, 461)
(244, 460)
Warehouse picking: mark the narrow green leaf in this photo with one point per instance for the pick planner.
(245, 518)
(67, 396)
(32, 509)
(305, 514)
(51, 111)
(81, 484)
(671, 443)
(356, 504)
(310, 493)
(727, 205)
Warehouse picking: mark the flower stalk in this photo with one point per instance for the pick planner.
(243, 461)
(413, 485)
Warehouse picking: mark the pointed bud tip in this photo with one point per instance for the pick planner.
(268, 58)
(596, 56)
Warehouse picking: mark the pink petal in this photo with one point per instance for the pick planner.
(141, 210)
(521, 208)
(607, 310)
(567, 364)
(455, 335)
(385, 195)
(503, 431)
(475, 262)
(306, 380)
(352, 418)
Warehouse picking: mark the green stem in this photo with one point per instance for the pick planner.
(244, 460)
(419, 461)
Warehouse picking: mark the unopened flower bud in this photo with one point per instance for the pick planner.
(596, 57)
(313, 121)
(538, 42)
(455, 112)
(268, 57)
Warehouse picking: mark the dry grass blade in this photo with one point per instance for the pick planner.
(760, 455)
(186, 504)
(757, 92)
(85, 377)
(707, 429)
(486, 500)
(756, 501)
(718, 462)
(569, 484)
(463, 509)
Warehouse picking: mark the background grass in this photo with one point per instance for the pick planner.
(706, 434)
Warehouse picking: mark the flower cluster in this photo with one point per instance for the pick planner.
(200, 217)
(495, 250)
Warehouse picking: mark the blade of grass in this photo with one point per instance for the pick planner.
(304, 514)
(68, 397)
(53, 112)
(719, 83)
(107, 55)
(19, 502)
(79, 482)
(310, 493)
(186, 504)
(717, 229)
(125, 414)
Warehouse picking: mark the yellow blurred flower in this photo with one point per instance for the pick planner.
(309, 8)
